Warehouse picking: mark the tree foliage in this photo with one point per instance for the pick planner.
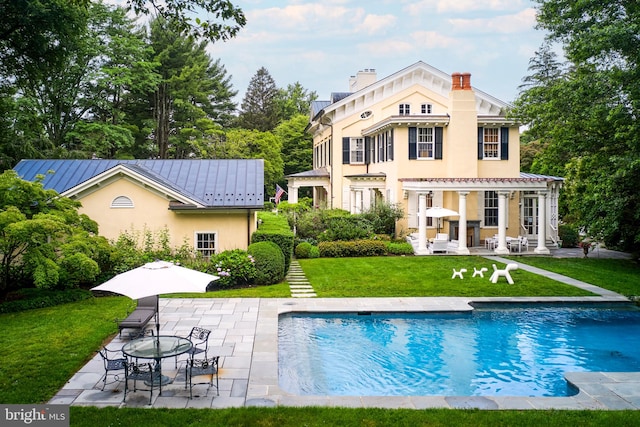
(259, 106)
(584, 113)
(297, 145)
(223, 22)
(35, 226)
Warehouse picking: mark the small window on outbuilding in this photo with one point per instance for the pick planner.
(122, 202)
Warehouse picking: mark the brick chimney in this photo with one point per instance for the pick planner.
(461, 81)
(466, 81)
(456, 81)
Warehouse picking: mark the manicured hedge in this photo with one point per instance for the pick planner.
(356, 248)
(275, 228)
(28, 299)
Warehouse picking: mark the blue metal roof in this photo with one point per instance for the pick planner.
(212, 183)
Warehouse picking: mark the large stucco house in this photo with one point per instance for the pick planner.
(422, 138)
(211, 205)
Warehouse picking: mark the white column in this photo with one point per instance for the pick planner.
(292, 196)
(422, 224)
(462, 224)
(358, 202)
(502, 223)
(542, 224)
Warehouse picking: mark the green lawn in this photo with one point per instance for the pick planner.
(618, 275)
(422, 276)
(41, 349)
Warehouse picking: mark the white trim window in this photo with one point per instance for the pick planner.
(404, 109)
(425, 143)
(426, 109)
(491, 143)
(206, 243)
(356, 150)
(490, 208)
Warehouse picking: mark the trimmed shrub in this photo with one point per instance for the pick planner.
(399, 248)
(356, 248)
(314, 252)
(303, 250)
(269, 262)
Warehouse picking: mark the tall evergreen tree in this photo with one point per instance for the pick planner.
(193, 93)
(259, 108)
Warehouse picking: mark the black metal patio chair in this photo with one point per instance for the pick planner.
(200, 339)
(201, 367)
(112, 365)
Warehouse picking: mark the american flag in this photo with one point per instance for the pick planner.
(279, 193)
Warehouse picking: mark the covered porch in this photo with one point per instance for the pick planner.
(528, 203)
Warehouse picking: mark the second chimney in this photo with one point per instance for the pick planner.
(461, 81)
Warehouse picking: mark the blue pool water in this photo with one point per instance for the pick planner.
(518, 351)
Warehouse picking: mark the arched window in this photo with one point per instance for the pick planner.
(122, 202)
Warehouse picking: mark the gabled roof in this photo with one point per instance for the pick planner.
(418, 73)
(200, 183)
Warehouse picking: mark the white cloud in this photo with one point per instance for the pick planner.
(504, 24)
(460, 6)
(376, 24)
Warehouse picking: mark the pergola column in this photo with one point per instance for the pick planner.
(422, 224)
(462, 224)
(502, 223)
(292, 196)
(542, 224)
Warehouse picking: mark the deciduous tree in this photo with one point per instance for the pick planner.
(585, 113)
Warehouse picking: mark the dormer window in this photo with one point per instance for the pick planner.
(122, 202)
(426, 108)
(404, 109)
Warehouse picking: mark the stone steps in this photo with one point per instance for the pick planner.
(298, 283)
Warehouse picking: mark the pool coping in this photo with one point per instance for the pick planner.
(597, 390)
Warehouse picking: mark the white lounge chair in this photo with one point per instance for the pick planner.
(439, 246)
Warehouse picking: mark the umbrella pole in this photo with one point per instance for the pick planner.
(158, 317)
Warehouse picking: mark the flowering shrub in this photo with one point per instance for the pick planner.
(235, 268)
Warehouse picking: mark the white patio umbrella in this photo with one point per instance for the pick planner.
(156, 278)
(438, 212)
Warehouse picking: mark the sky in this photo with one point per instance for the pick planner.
(321, 44)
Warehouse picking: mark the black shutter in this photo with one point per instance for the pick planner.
(367, 150)
(413, 143)
(480, 143)
(390, 153)
(345, 151)
(504, 143)
(438, 140)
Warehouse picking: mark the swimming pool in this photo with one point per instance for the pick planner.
(512, 351)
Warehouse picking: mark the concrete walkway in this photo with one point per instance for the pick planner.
(245, 335)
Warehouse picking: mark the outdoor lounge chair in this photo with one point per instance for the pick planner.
(145, 310)
(439, 246)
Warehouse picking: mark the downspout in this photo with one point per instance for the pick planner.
(248, 227)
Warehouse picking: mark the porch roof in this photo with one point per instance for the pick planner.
(526, 181)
